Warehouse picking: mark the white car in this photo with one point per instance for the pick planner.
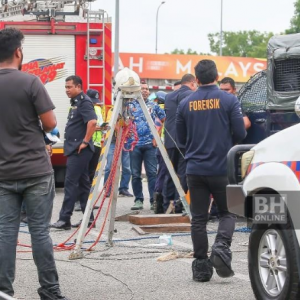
(271, 167)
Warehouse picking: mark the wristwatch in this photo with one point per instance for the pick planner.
(84, 142)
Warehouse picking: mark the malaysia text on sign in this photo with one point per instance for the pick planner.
(171, 66)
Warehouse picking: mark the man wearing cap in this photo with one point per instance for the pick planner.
(97, 136)
(177, 85)
(94, 96)
(79, 149)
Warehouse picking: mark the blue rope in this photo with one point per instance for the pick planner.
(241, 229)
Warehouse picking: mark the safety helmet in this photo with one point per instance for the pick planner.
(161, 96)
(52, 137)
(127, 80)
(158, 97)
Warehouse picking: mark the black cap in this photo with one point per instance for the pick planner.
(177, 82)
(94, 95)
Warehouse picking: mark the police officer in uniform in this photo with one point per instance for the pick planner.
(174, 149)
(79, 148)
(209, 122)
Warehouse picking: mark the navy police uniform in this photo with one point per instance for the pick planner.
(174, 151)
(77, 183)
(209, 122)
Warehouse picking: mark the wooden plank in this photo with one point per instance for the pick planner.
(158, 219)
(139, 230)
(179, 227)
(125, 218)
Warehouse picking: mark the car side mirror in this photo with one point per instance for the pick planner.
(297, 107)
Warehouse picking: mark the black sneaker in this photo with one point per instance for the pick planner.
(76, 225)
(61, 225)
(178, 207)
(202, 270)
(125, 193)
(158, 200)
(221, 257)
(48, 295)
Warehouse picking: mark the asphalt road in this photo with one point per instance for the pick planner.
(129, 269)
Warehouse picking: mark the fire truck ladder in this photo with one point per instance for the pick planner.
(44, 10)
(11, 8)
(92, 52)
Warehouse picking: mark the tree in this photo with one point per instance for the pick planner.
(241, 43)
(178, 51)
(189, 52)
(295, 21)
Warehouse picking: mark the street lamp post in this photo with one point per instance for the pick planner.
(157, 23)
(116, 55)
(221, 31)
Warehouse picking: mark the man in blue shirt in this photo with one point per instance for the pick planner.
(145, 149)
(209, 122)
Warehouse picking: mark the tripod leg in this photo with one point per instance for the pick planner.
(95, 189)
(112, 215)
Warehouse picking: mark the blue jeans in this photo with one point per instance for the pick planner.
(126, 172)
(38, 194)
(146, 153)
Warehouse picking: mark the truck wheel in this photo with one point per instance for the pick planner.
(272, 262)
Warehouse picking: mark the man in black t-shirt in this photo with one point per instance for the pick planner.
(26, 174)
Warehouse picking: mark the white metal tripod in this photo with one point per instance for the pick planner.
(119, 108)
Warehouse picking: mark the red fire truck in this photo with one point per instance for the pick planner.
(59, 43)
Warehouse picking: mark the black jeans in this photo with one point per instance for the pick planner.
(200, 188)
(77, 183)
(179, 165)
(161, 173)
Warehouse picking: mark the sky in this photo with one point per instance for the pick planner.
(185, 24)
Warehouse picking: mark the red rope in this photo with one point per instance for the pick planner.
(128, 131)
(117, 153)
(131, 133)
